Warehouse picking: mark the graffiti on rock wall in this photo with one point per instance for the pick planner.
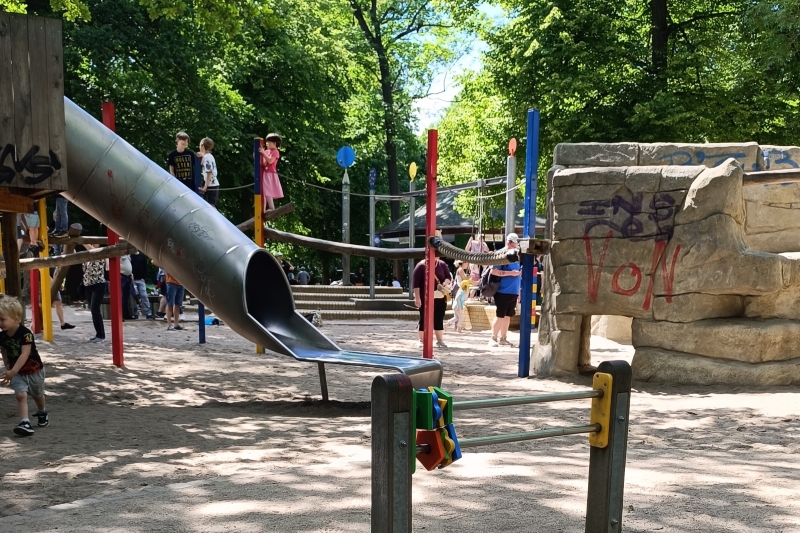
(778, 157)
(661, 205)
(627, 278)
(699, 157)
(37, 167)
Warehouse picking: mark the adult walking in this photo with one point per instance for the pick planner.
(507, 295)
(139, 269)
(94, 283)
(441, 276)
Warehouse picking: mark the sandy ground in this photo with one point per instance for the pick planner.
(217, 438)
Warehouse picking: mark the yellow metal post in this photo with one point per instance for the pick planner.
(44, 276)
(601, 409)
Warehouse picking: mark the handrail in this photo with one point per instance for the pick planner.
(528, 435)
(523, 400)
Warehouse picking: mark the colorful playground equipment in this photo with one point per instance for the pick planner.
(410, 425)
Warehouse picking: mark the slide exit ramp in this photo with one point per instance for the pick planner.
(242, 283)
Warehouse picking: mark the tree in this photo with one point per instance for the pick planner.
(409, 40)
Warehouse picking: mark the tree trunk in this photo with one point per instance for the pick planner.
(389, 127)
(659, 31)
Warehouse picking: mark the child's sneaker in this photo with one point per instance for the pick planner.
(504, 342)
(43, 419)
(493, 342)
(23, 429)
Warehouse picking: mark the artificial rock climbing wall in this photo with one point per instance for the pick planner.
(669, 235)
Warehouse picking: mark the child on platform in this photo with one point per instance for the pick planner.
(270, 183)
(24, 367)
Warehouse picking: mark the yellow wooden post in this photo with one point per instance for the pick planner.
(258, 221)
(44, 277)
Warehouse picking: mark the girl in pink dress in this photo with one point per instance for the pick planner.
(270, 183)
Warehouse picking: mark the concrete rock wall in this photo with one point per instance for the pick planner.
(668, 235)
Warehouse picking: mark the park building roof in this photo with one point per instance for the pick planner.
(451, 223)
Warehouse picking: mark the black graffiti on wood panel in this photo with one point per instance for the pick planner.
(37, 167)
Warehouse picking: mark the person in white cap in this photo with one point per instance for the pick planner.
(287, 267)
(507, 295)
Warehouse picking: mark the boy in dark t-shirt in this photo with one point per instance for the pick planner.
(24, 367)
(181, 162)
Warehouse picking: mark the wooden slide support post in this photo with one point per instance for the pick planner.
(607, 464)
(2, 280)
(11, 255)
(61, 272)
(393, 453)
(115, 281)
(44, 277)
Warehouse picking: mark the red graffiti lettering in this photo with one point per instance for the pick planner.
(658, 251)
(669, 276)
(594, 279)
(635, 272)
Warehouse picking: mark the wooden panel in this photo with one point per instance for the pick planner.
(14, 203)
(38, 169)
(55, 99)
(20, 77)
(6, 99)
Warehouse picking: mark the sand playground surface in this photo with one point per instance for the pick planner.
(213, 438)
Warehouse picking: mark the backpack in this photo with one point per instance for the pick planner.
(488, 284)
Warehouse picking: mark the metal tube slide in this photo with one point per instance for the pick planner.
(242, 283)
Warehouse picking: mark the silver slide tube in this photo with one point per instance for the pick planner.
(243, 284)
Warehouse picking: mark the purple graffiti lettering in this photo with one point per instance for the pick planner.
(595, 207)
(661, 209)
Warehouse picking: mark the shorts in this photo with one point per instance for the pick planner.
(174, 294)
(506, 305)
(58, 296)
(32, 220)
(439, 309)
(212, 195)
(33, 384)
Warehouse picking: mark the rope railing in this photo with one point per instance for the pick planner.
(403, 197)
(505, 257)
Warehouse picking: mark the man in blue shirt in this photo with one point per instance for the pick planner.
(507, 295)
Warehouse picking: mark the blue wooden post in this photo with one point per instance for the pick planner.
(528, 230)
(201, 321)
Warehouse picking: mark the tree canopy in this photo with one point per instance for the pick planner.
(338, 72)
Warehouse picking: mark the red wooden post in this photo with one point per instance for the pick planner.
(430, 231)
(113, 267)
(36, 315)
